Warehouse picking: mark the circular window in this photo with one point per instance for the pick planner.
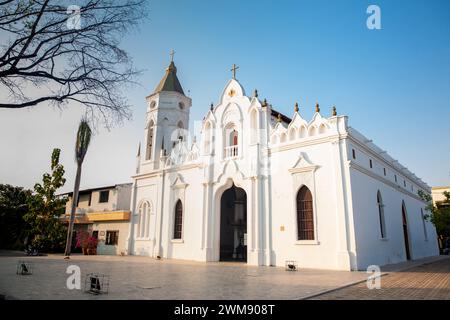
(152, 104)
(181, 105)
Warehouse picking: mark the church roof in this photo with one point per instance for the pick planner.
(283, 117)
(170, 81)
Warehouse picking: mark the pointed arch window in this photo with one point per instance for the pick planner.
(292, 133)
(178, 221)
(424, 224)
(143, 226)
(381, 215)
(150, 141)
(233, 138)
(305, 214)
(405, 231)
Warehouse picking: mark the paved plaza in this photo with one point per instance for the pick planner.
(430, 281)
(134, 277)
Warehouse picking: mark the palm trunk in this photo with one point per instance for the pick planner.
(72, 211)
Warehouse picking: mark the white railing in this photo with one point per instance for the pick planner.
(231, 152)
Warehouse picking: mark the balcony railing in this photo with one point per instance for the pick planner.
(231, 152)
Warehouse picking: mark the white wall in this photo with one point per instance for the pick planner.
(321, 253)
(189, 190)
(371, 249)
(147, 190)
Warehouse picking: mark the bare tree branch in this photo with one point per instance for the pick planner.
(45, 48)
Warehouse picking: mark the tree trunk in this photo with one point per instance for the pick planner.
(72, 211)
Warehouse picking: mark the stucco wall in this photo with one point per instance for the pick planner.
(438, 193)
(119, 199)
(102, 228)
(371, 249)
(321, 253)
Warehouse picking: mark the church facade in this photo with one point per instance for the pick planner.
(264, 188)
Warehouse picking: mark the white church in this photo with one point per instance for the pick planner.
(263, 188)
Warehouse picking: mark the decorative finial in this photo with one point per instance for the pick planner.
(334, 113)
(279, 117)
(172, 53)
(235, 67)
(317, 107)
(255, 94)
(211, 107)
(296, 107)
(195, 139)
(264, 104)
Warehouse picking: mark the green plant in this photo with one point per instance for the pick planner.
(46, 231)
(13, 207)
(439, 213)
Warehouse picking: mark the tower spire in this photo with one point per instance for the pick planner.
(170, 80)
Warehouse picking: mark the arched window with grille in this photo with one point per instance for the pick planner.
(381, 215)
(231, 141)
(178, 221)
(305, 214)
(233, 138)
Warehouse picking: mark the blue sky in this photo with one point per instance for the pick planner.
(393, 83)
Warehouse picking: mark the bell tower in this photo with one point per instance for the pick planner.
(167, 119)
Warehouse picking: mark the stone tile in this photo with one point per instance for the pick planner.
(429, 281)
(134, 277)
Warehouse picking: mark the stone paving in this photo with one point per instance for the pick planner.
(429, 281)
(146, 278)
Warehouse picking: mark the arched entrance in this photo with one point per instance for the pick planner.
(233, 225)
(405, 232)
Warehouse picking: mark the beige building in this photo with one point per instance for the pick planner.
(105, 213)
(438, 194)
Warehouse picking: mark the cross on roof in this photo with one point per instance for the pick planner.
(172, 53)
(234, 70)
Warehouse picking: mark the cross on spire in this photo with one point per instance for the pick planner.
(172, 53)
(235, 67)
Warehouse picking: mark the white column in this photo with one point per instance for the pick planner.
(130, 239)
(265, 207)
(208, 210)
(159, 216)
(207, 227)
(342, 218)
(260, 223)
(256, 226)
